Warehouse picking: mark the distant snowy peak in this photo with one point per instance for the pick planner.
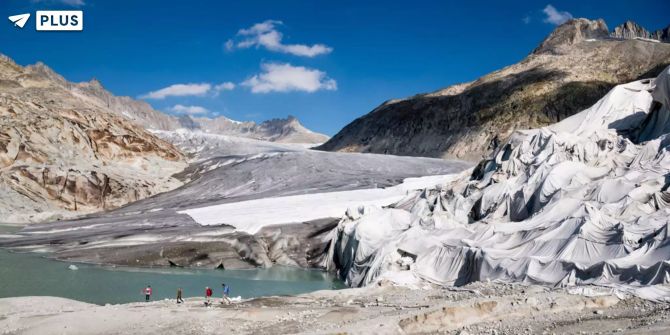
(288, 130)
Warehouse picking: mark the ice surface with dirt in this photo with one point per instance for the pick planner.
(584, 201)
(245, 203)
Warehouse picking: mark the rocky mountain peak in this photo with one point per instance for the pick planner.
(290, 120)
(42, 70)
(290, 129)
(290, 123)
(95, 83)
(630, 30)
(572, 32)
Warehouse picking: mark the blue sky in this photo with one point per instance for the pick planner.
(325, 62)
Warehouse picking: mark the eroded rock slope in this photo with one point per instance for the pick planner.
(62, 155)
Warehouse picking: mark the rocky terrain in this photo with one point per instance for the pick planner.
(478, 308)
(288, 130)
(62, 155)
(570, 70)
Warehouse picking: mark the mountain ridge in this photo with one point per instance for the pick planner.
(291, 130)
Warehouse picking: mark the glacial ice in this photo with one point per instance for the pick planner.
(252, 215)
(584, 201)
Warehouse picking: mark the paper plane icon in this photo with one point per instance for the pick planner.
(19, 20)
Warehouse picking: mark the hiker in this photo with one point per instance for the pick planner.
(226, 294)
(147, 293)
(179, 299)
(208, 295)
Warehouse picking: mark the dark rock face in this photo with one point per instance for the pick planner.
(662, 35)
(573, 68)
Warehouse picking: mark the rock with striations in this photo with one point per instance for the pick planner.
(62, 154)
(570, 70)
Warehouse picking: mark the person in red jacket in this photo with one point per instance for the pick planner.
(208, 295)
(147, 293)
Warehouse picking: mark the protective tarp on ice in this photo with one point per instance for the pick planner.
(584, 201)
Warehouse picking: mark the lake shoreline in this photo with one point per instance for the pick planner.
(29, 274)
(480, 308)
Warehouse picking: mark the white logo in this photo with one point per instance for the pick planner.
(19, 20)
(63, 20)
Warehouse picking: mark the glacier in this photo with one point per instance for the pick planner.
(581, 202)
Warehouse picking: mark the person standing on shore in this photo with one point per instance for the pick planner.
(226, 293)
(179, 299)
(147, 293)
(208, 295)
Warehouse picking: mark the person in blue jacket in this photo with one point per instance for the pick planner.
(226, 294)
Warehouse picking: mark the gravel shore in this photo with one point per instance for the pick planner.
(478, 308)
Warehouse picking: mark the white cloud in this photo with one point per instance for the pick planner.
(265, 35)
(191, 89)
(179, 90)
(555, 16)
(526, 19)
(277, 77)
(190, 110)
(227, 86)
